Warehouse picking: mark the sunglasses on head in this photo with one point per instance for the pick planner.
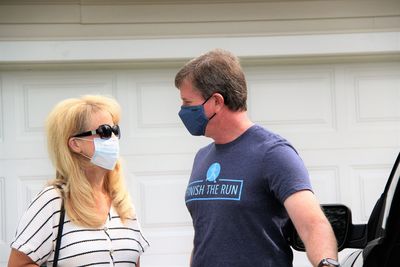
(104, 131)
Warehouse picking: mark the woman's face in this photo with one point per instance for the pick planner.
(97, 119)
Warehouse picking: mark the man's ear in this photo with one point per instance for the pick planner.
(219, 101)
(74, 145)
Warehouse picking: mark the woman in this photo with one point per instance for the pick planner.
(100, 227)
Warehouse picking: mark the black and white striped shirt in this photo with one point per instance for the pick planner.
(114, 244)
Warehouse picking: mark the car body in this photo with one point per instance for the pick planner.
(378, 241)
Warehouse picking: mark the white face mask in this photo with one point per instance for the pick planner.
(106, 152)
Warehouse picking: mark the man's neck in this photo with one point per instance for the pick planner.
(230, 127)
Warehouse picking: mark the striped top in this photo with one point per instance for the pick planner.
(113, 244)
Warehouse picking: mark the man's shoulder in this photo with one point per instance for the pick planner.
(207, 147)
(263, 136)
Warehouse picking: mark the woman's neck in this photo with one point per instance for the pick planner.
(96, 178)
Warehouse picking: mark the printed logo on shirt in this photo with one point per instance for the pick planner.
(213, 172)
(214, 188)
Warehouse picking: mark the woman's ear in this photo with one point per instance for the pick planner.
(74, 145)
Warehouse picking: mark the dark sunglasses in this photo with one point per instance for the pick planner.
(104, 131)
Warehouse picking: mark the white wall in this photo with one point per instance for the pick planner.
(135, 19)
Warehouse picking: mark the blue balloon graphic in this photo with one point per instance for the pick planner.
(213, 172)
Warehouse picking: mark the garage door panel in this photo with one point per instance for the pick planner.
(370, 181)
(168, 250)
(360, 139)
(162, 206)
(162, 143)
(7, 215)
(2, 113)
(35, 110)
(358, 174)
(311, 96)
(158, 105)
(28, 177)
(150, 109)
(325, 181)
(373, 93)
(31, 97)
(20, 182)
(150, 115)
(157, 162)
(364, 109)
(342, 118)
(29, 187)
(2, 211)
(32, 110)
(157, 184)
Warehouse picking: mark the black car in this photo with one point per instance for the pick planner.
(378, 241)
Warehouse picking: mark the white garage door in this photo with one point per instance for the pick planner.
(343, 118)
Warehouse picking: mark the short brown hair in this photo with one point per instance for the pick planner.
(217, 71)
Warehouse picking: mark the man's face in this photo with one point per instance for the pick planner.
(189, 95)
(196, 117)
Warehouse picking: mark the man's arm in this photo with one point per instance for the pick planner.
(312, 225)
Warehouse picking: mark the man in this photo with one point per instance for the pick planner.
(247, 183)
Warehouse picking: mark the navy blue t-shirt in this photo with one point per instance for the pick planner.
(235, 197)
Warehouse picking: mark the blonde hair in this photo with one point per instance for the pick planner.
(68, 118)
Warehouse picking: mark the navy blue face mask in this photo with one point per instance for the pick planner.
(194, 118)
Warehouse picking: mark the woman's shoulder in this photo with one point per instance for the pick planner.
(35, 231)
(46, 196)
(50, 191)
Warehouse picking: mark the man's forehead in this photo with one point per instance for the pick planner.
(187, 91)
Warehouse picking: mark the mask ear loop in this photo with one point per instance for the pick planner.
(80, 138)
(212, 116)
(80, 153)
(89, 158)
(205, 102)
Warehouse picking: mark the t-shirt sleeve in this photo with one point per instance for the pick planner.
(36, 231)
(285, 172)
(144, 244)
